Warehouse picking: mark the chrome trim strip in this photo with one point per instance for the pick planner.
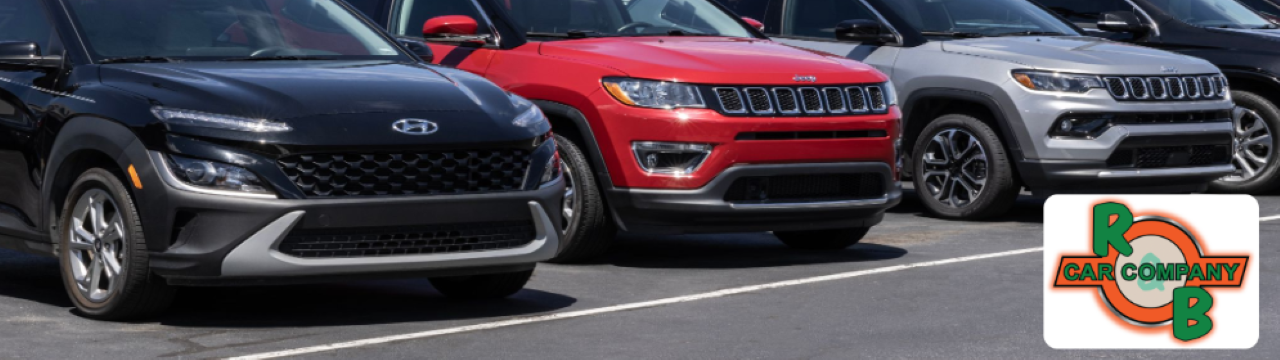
(794, 99)
(1146, 91)
(1147, 173)
(883, 99)
(1182, 88)
(1213, 85)
(1123, 84)
(158, 160)
(1186, 87)
(811, 205)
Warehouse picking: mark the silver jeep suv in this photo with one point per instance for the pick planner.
(1002, 94)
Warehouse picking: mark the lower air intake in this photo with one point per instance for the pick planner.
(806, 188)
(418, 240)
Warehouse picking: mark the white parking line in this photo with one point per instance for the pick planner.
(622, 307)
(1270, 218)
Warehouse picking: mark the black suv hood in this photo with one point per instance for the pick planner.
(328, 102)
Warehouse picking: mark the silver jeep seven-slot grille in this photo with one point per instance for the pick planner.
(1171, 88)
(802, 101)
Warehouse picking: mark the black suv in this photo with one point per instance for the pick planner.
(1244, 44)
(154, 143)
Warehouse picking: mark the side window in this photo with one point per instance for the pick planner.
(374, 9)
(24, 20)
(415, 13)
(755, 9)
(1085, 13)
(818, 18)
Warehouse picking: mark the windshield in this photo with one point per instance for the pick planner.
(979, 17)
(1227, 14)
(115, 30)
(624, 18)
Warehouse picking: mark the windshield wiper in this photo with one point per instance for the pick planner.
(963, 35)
(280, 58)
(571, 34)
(1031, 33)
(138, 59)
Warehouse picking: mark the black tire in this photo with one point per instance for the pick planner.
(141, 294)
(1265, 180)
(591, 231)
(830, 239)
(1001, 188)
(477, 287)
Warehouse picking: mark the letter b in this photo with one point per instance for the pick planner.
(1183, 312)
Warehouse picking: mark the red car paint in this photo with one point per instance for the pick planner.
(570, 72)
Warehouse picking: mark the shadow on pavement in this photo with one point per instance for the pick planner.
(1028, 209)
(36, 279)
(732, 251)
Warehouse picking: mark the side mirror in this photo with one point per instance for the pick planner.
(863, 30)
(1121, 22)
(754, 23)
(418, 48)
(442, 26)
(26, 53)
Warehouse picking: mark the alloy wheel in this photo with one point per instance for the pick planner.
(96, 244)
(1252, 147)
(955, 167)
(570, 202)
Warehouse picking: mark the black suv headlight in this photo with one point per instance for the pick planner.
(552, 172)
(216, 176)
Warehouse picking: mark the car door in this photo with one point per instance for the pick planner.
(472, 54)
(811, 24)
(25, 93)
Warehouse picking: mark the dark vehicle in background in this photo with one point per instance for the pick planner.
(1269, 9)
(1245, 45)
(155, 143)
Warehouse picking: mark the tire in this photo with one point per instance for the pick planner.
(133, 293)
(831, 239)
(934, 176)
(587, 227)
(477, 287)
(1260, 177)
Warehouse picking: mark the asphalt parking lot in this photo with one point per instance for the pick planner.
(916, 288)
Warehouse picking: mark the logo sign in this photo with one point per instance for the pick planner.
(1168, 69)
(805, 78)
(415, 127)
(1128, 272)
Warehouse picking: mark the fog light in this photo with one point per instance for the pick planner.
(216, 176)
(1081, 127)
(670, 158)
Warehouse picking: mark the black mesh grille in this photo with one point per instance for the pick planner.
(812, 100)
(835, 100)
(1157, 88)
(1193, 87)
(1176, 88)
(1117, 88)
(424, 173)
(787, 100)
(1138, 88)
(1208, 86)
(806, 188)
(1223, 86)
(759, 99)
(857, 99)
(730, 100)
(1155, 157)
(438, 239)
(877, 97)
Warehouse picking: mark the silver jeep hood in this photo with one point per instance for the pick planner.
(1080, 55)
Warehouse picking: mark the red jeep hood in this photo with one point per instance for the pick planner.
(713, 60)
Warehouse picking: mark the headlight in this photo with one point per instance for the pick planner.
(654, 94)
(890, 93)
(212, 175)
(530, 114)
(217, 121)
(552, 171)
(1058, 82)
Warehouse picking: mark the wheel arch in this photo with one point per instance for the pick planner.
(925, 105)
(1254, 81)
(83, 143)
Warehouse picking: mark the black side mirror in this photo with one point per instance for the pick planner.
(26, 53)
(418, 48)
(1121, 22)
(863, 30)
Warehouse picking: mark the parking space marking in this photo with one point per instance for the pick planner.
(1271, 218)
(623, 307)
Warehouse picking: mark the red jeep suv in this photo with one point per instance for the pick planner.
(676, 116)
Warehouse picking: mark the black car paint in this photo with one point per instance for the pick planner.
(84, 113)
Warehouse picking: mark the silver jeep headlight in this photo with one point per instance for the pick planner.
(1057, 82)
(654, 94)
(217, 121)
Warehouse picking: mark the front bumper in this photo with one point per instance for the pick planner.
(705, 210)
(220, 239)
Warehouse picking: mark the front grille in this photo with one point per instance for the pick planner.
(800, 101)
(806, 188)
(1155, 157)
(418, 240)
(1190, 88)
(810, 135)
(419, 173)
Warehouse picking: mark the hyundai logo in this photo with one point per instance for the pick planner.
(805, 78)
(415, 127)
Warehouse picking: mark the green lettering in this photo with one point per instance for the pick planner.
(1166, 271)
(1182, 270)
(1147, 271)
(1105, 233)
(1196, 273)
(1231, 271)
(1067, 271)
(1129, 271)
(1213, 272)
(1105, 271)
(1184, 313)
(1088, 272)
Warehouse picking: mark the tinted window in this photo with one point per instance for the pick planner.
(630, 18)
(1085, 11)
(1263, 6)
(818, 18)
(374, 9)
(755, 9)
(1213, 13)
(985, 17)
(24, 20)
(415, 13)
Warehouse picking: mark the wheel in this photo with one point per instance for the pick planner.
(103, 254)
(488, 286)
(588, 229)
(831, 239)
(1254, 148)
(961, 169)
